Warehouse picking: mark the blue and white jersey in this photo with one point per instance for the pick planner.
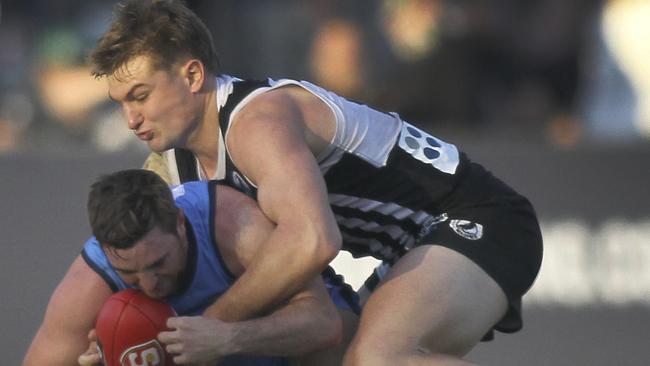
(207, 275)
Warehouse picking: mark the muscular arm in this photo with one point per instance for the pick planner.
(70, 315)
(309, 321)
(268, 144)
(306, 322)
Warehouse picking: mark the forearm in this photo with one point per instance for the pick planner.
(281, 268)
(53, 350)
(295, 330)
(307, 323)
(70, 315)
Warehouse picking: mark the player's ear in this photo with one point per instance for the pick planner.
(194, 74)
(180, 221)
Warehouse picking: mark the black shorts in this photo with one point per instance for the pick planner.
(481, 218)
(469, 211)
(496, 228)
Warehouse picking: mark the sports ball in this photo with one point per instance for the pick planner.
(127, 326)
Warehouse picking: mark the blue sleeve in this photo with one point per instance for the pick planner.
(95, 257)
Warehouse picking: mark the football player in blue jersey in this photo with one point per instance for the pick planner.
(187, 246)
(463, 247)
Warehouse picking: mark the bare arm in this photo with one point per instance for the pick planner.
(268, 145)
(70, 315)
(309, 321)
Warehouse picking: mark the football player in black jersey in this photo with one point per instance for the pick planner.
(330, 173)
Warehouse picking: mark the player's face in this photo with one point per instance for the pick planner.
(158, 105)
(155, 264)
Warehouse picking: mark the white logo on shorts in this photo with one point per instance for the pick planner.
(467, 229)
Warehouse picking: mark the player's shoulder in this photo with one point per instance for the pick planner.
(206, 193)
(229, 198)
(193, 196)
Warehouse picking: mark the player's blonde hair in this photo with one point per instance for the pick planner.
(166, 31)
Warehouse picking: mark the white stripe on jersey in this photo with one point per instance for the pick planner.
(395, 232)
(385, 208)
(374, 230)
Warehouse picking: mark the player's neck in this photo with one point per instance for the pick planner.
(208, 155)
(204, 141)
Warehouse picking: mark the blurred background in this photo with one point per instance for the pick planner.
(551, 95)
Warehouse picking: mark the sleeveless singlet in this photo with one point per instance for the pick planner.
(379, 208)
(207, 276)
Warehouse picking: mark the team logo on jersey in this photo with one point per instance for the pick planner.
(467, 229)
(146, 354)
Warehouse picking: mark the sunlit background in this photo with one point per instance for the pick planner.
(551, 95)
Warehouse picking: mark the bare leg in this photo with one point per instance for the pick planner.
(333, 356)
(431, 309)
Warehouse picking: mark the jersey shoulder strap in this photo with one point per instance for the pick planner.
(181, 163)
(240, 89)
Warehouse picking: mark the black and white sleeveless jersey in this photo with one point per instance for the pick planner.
(389, 183)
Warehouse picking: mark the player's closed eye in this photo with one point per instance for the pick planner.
(157, 264)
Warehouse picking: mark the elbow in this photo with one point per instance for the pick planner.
(332, 335)
(327, 325)
(321, 256)
(317, 245)
(338, 334)
(329, 247)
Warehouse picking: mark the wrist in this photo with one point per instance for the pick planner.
(228, 336)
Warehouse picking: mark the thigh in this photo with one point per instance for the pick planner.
(433, 298)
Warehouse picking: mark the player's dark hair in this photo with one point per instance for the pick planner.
(165, 30)
(124, 206)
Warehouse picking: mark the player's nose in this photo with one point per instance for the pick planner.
(147, 282)
(133, 117)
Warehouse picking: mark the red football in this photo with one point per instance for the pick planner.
(127, 326)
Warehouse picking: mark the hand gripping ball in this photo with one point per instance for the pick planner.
(127, 326)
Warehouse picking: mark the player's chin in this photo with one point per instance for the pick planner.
(158, 144)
